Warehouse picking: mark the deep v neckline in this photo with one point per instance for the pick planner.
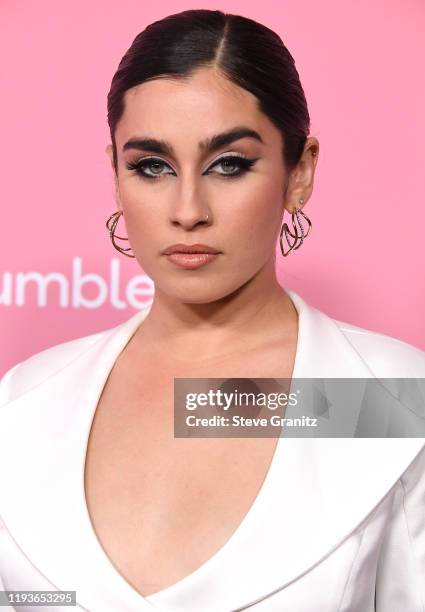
(222, 560)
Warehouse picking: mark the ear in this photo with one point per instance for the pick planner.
(301, 178)
(109, 152)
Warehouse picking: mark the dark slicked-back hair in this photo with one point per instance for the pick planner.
(246, 52)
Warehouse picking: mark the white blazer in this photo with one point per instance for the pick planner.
(338, 525)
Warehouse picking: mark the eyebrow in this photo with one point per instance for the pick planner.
(208, 145)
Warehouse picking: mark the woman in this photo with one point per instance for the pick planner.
(210, 144)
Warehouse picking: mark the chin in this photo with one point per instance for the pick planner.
(200, 289)
(189, 293)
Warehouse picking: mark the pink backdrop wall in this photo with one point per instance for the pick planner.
(361, 65)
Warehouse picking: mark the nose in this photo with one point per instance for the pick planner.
(189, 209)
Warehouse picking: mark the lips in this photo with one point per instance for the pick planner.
(190, 248)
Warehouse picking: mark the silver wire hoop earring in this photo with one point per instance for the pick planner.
(111, 224)
(298, 234)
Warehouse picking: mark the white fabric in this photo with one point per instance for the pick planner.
(336, 523)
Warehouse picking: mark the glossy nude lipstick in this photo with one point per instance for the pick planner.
(191, 256)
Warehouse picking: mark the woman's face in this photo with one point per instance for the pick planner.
(166, 193)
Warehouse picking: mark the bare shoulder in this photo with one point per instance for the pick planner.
(386, 355)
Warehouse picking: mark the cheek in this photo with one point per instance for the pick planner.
(140, 212)
(255, 215)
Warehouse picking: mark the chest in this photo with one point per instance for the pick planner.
(162, 506)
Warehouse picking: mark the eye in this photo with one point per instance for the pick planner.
(152, 164)
(233, 165)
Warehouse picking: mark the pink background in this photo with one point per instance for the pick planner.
(361, 65)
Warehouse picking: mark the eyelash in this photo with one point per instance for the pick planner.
(243, 163)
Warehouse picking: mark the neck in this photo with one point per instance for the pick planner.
(258, 312)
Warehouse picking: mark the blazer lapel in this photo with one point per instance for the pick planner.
(316, 492)
(41, 500)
